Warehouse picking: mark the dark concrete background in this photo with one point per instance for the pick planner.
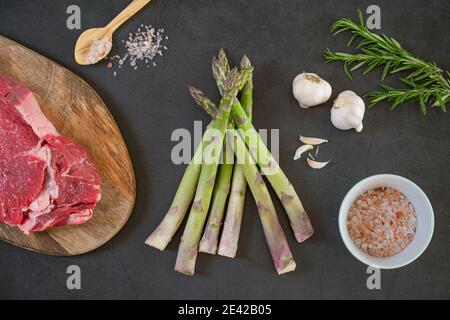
(281, 38)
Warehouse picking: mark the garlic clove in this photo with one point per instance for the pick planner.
(316, 164)
(348, 111)
(310, 90)
(301, 150)
(312, 141)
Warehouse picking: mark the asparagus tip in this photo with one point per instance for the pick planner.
(223, 61)
(244, 76)
(196, 94)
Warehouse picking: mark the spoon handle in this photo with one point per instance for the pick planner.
(127, 13)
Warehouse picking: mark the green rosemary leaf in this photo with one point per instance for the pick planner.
(397, 44)
(349, 43)
(422, 105)
(336, 32)
(349, 75)
(386, 87)
(374, 99)
(385, 71)
(416, 74)
(427, 83)
(397, 102)
(372, 66)
(372, 104)
(356, 67)
(440, 102)
(361, 18)
(363, 43)
(403, 68)
(407, 82)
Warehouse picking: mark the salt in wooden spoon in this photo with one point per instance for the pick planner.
(89, 36)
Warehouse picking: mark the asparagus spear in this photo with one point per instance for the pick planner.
(231, 230)
(285, 191)
(187, 252)
(208, 243)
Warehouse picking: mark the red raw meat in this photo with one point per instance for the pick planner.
(46, 180)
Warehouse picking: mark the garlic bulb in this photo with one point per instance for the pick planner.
(310, 90)
(348, 111)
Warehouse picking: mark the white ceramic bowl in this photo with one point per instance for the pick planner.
(424, 212)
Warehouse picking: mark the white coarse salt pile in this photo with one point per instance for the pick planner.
(382, 222)
(98, 49)
(142, 46)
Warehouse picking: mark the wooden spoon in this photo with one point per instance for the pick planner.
(87, 37)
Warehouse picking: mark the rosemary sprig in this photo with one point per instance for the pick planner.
(425, 82)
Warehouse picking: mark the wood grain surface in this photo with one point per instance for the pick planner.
(79, 113)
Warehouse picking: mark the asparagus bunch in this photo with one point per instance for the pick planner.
(211, 193)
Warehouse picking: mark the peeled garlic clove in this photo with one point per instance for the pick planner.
(312, 141)
(348, 111)
(310, 90)
(301, 150)
(316, 164)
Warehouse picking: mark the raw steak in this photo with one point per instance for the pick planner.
(46, 180)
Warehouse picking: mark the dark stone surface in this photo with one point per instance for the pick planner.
(281, 38)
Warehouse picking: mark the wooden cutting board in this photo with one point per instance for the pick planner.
(79, 113)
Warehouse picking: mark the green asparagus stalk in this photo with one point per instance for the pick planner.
(298, 217)
(231, 230)
(187, 252)
(208, 243)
